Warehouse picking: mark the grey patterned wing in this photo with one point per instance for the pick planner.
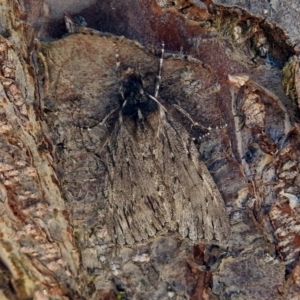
(157, 184)
(200, 208)
(136, 210)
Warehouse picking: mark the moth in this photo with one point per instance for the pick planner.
(136, 173)
(155, 182)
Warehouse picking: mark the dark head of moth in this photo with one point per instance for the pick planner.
(140, 111)
(138, 104)
(155, 183)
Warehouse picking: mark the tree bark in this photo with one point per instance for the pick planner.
(60, 108)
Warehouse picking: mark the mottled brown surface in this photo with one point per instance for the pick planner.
(283, 13)
(53, 240)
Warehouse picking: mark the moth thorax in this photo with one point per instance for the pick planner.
(144, 126)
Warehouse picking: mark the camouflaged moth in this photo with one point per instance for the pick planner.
(155, 181)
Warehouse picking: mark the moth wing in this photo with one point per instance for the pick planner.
(200, 208)
(136, 209)
(159, 184)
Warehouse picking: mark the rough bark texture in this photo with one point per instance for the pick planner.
(223, 65)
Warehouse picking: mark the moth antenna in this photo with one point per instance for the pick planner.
(186, 114)
(101, 123)
(158, 76)
(117, 56)
(153, 98)
(209, 128)
(212, 128)
(108, 115)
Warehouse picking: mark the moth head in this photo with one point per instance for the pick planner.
(137, 103)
